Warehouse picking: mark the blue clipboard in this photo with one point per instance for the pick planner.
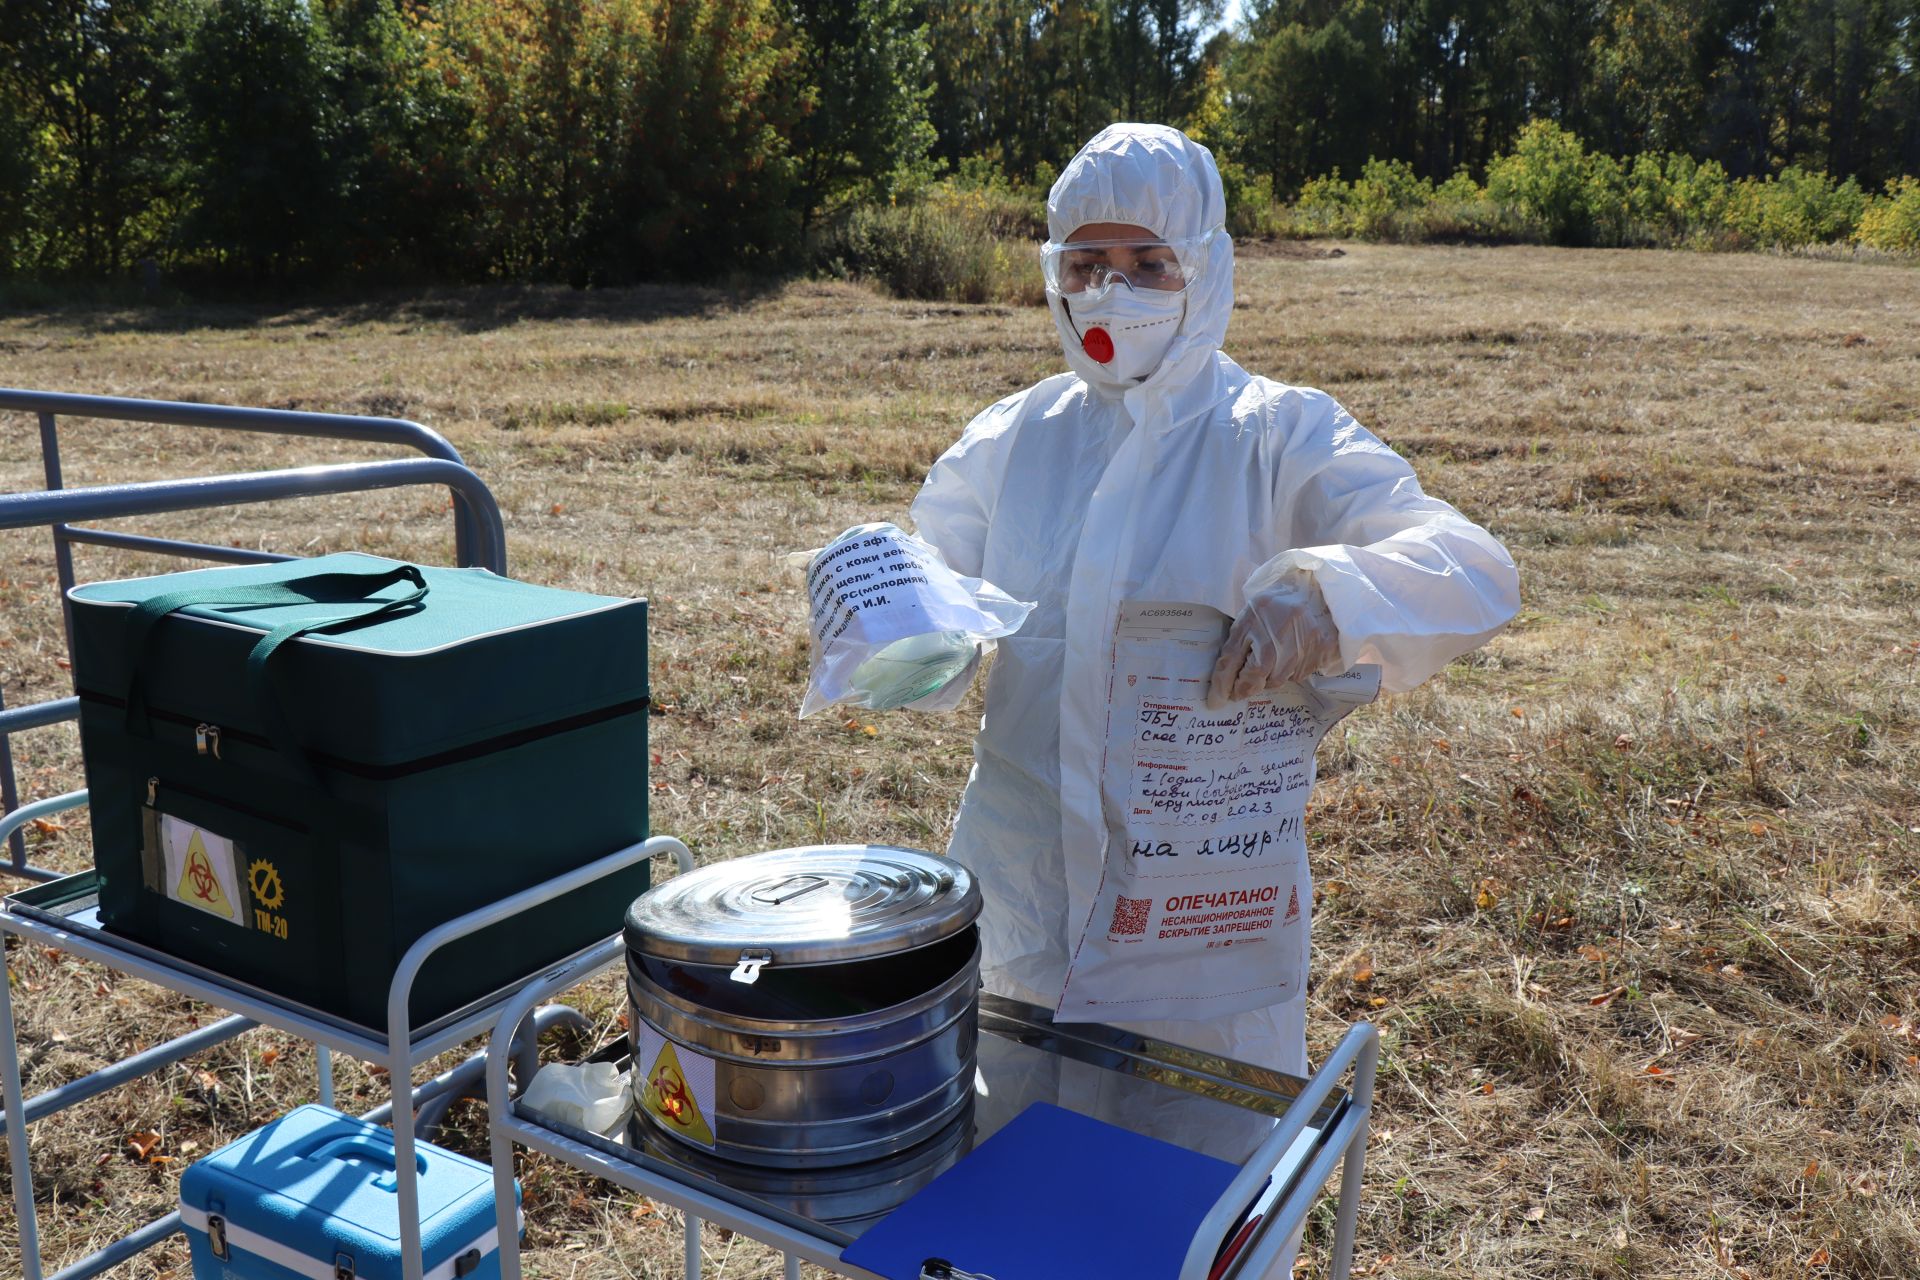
(1053, 1196)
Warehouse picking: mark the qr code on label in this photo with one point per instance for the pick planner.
(1130, 915)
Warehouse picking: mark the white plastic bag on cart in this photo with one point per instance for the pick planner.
(593, 1096)
(892, 625)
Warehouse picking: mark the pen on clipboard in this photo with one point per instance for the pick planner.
(941, 1269)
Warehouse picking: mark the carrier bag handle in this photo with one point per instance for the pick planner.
(317, 588)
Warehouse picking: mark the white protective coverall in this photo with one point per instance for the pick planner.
(1200, 483)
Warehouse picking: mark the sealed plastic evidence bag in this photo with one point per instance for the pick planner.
(892, 625)
(1203, 899)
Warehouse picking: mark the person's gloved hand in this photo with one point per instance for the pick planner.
(1284, 635)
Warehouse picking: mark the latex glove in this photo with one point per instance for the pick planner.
(1284, 635)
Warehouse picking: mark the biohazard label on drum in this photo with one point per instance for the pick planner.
(676, 1086)
(200, 869)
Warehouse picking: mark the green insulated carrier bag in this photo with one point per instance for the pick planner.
(297, 769)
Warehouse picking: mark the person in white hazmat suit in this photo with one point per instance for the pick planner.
(1158, 469)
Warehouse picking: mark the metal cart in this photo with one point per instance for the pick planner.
(1287, 1135)
(62, 914)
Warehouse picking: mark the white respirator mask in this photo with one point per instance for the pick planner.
(1125, 333)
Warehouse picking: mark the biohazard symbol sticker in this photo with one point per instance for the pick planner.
(199, 884)
(201, 870)
(265, 883)
(679, 1096)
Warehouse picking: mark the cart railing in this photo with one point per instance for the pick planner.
(479, 535)
(51, 406)
(1346, 1146)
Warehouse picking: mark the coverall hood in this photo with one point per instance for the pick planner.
(1155, 177)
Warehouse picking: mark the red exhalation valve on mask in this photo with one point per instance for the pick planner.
(1098, 344)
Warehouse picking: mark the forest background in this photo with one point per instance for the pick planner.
(223, 144)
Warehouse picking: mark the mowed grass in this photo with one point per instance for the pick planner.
(1631, 893)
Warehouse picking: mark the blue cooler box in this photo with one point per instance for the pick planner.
(313, 1195)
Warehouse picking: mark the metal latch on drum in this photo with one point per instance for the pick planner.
(751, 963)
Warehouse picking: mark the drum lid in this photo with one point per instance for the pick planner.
(820, 904)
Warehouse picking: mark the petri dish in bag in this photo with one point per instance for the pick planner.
(910, 669)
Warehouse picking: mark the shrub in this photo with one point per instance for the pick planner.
(1460, 189)
(1604, 201)
(969, 238)
(1324, 208)
(1545, 179)
(1795, 208)
(1385, 192)
(1892, 222)
(1698, 194)
(1389, 202)
(950, 243)
(1647, 196)
(1458, 210)
(1551, 188)
(979, 188)
(1252, 210)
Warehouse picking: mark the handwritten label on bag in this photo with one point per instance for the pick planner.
(1206, 826)
(878, 585)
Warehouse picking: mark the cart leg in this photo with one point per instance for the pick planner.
(505, 1205)
(11, 1094)
(793, 1268)
(693, 1248)
(1353, 1164)
(1347, 1216)
(323, 1057)
(406, 1172)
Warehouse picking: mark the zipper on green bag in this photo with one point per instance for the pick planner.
(222, 802)
(208, 737)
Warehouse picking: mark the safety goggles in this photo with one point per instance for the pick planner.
(1095, 266)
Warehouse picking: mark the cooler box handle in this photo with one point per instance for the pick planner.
(360, 1146)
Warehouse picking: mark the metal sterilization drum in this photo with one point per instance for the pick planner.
(807, 1007)
(848, 1197)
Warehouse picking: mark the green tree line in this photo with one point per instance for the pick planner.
(601, 141)
(581, 140)
(1756, 86)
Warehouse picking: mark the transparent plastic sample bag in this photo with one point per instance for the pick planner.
(893, 626)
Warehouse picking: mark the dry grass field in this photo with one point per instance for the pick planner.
(1631, 893)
